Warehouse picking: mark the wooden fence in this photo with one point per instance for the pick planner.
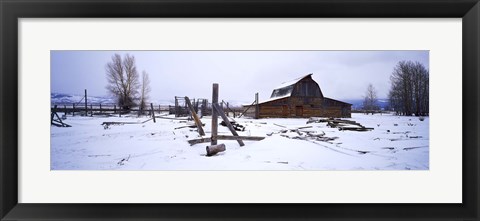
(73, 109)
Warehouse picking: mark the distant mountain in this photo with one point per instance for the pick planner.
(358, 103)
(62, 98)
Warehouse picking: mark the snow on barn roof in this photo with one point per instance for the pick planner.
(337, 100)
(268, 100)
(292, 82)
(283, 85)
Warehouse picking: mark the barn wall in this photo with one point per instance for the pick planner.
(307, 87)
(250, 112)
(301, 107)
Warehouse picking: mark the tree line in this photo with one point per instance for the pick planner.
(125, 84)
(409, 90)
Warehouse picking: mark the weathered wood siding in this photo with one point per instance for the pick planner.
(307, 87)
(334, 108)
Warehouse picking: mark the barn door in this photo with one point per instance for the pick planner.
(285, 111)
(299, 111)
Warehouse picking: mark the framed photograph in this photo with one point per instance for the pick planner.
(320, 110)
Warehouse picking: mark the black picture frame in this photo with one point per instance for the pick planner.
(11, 11)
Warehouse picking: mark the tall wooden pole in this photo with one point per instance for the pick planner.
(257, 107)
(153, 113)
(214, 114)
(86, 107)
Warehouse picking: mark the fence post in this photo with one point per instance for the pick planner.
(214, 115)
(86, 108)
(73, 112)
(53, 113)
(257, 107)
(91, 110)
(153, 113)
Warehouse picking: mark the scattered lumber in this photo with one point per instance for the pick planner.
(341, 124)
(235, 125)
(214, 149)
(305, 135)
(356, 128)
(279, 125)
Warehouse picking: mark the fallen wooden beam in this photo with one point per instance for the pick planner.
(199, 140)
(356, 128)
(189, 126)
(171, 118)
(225, 137)
(224, 117)
(195, 117)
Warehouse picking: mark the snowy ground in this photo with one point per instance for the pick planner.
(87, 145)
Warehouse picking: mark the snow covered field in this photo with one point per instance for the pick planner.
(396, 143)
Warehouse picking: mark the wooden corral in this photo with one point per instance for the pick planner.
(299, 98)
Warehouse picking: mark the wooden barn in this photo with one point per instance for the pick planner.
(301, 97)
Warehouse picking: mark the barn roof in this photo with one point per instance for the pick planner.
(292, 82)
(267, 100)
(337, 101)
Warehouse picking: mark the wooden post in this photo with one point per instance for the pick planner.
(91, 110)
(227, 122)
(257, 107)
(86, 109)
(195, 117)
(65, 109)
(73, 112)
(214, 115)
(153, 113)
(100, 107)
(214, 149)
(53, 113)
(176, 107)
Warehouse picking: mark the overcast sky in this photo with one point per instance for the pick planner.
(340, 74)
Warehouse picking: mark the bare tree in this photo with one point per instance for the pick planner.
(370, 100)
(144, 91)
(409, 92)
(122, 77)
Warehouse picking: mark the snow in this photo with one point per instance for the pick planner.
(270, 99)
(87, 145)
(288, 83)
